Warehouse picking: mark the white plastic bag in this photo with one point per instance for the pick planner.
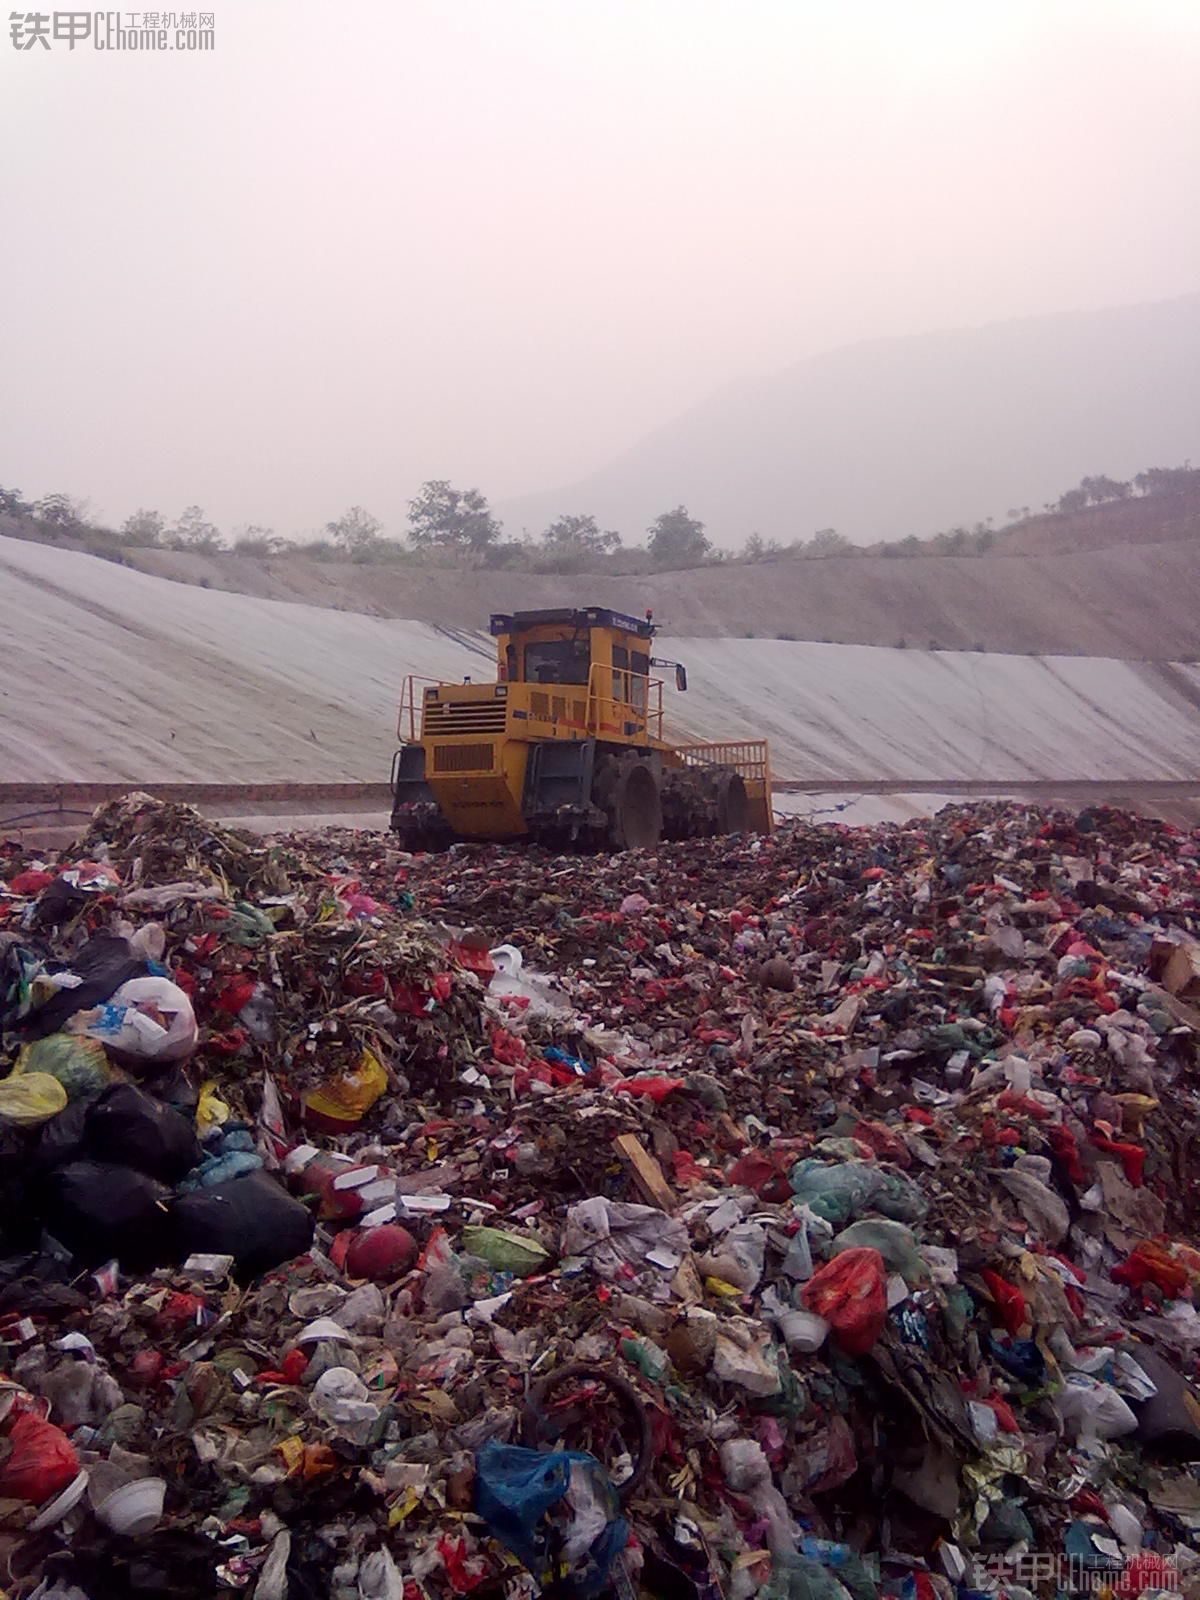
(615, 1234)
(1093, 1410)
(512, 982)
(273, 1579)
(340, 1398)
(379, 1577)
(149, 1018)
(748, 1472)
(744, 1465)
(1040, 1206)
(739, 1257)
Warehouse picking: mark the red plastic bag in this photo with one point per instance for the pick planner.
(765, 1173)
(43, 1461)
(1132, 1157)
(507, 1049)
(850, 1292)
(883, 1141)
(1010, 1302)
(30, 882)
(1150, 1262)
(235, 995)
(1066, 1148)
(1005, 1415)
(689, 1171)
(1010, 1100)
(656, 1089)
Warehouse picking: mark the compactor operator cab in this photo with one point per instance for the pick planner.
(562, 647)
(601, 652)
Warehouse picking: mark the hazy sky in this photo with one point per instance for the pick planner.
(357, 246)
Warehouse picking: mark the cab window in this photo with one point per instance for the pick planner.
(557, 661)
(620, 666)
(638, 679)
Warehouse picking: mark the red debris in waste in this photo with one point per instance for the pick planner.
(381, 1254)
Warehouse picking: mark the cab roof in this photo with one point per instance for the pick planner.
(589, 617)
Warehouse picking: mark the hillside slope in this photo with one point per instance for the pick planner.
(1141, 601)
(900, 436)
(121, 676)
(1118, 524)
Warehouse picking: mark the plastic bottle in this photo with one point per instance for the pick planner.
(650, 1360)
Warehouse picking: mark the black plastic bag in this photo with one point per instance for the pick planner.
(173, 1085)
(58, 903)
(62, 1139)
(36, 1284)
(170, 1561)
(19, 1226)
(102, 966)
(129, 1126)
(100, 1210)
(253, 1219)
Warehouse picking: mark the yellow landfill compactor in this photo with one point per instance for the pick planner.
(566, 748)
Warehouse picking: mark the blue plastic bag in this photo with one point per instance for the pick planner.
(516, 1488)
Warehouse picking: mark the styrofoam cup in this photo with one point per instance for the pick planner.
(135, 1509)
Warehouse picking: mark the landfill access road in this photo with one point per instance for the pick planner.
(52, 812)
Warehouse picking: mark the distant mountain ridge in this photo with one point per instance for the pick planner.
(900, 436)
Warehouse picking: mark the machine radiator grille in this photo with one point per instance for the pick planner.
(462, 757)
(465, 716)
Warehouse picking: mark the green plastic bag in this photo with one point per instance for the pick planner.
(797, 1578)
(80, 1064)
(841, 1191)
(507, 1252)
(31, 1097)
(836, 1192)
(894, 1242)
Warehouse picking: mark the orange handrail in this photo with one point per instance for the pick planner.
(408, 702)
(649, 717)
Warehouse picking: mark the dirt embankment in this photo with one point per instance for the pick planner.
(1140, 601)
(1118, 524)
(1121, 579)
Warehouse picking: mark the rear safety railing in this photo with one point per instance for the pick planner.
(751, 759)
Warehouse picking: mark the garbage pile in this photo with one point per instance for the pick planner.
(809, 1216)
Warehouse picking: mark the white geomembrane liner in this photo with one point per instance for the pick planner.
(115, 675)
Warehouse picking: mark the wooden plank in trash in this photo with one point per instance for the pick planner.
(645, 1171)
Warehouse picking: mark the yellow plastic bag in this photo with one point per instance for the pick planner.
(80, 1065)
(30, 1098)
(348, 1096)
(211, 1110)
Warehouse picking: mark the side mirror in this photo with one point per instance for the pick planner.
(680, 677)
